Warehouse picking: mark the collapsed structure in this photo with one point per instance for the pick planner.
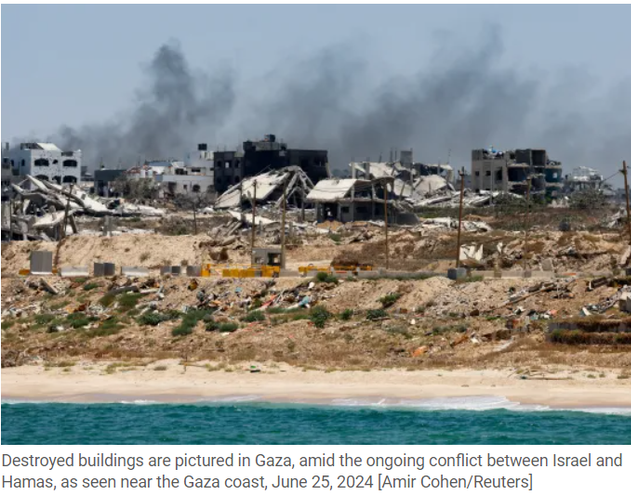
(269, 189)
(42, 210)
(510, 171)
(230, 167)
(583, 179)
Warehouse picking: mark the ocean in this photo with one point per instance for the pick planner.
(246, 420)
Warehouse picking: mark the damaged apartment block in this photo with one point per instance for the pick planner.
(509, 171)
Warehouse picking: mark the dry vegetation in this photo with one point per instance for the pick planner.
(351, 324)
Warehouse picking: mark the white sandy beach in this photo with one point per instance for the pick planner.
(90, 382)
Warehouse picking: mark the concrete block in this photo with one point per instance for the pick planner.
(176, 270)
(41, 263)
(624, 303)
(134, 271)
(194, 271)
(109, 269)
(99, 269)
(165, 270)
(456, 273)
(547, 265)
(74, 271)
(104, 269)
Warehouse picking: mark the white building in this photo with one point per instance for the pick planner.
(194, 176)
(46, 161)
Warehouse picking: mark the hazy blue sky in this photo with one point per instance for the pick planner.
(83, 65)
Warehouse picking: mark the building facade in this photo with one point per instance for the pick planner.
(269, 154)
(46, 161)
(509, 171)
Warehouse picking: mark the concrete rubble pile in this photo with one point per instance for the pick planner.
(269, 189)
(40, 210)
(447, 224)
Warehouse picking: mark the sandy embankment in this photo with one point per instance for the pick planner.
(89, 382)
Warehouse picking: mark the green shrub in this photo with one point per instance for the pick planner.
(376, 314)
(256, 304)
(398, 330)
(90, 286)
(229, 326)
(389, 299)
(44, 318)
(152, 318)
(335, 237)
(346, 315)
(111, 326)
(324, 277)
(8, 323)
(79, 320)
(190, 319)
(254, 316)
(129, 300)
(107, 300)
(277, 310)
(319, 315)
(212, 326)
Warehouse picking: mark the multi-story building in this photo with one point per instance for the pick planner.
(510, 171)
(46, 161)
(230, 167)
(7, 173)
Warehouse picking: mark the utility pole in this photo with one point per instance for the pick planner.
(65, 223)
(527, 225)
(626, 192)
(195, 205)
(385, 218)
(461, 173)
(282, 227)
(253, 221)
(10, 216)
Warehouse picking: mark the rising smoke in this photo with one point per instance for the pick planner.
(459, 101)
(178, 108)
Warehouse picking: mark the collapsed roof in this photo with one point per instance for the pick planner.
(269, 188)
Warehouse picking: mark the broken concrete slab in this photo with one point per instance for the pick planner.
(74, 271)
(134, 271)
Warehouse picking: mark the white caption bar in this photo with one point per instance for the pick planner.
(319, 469)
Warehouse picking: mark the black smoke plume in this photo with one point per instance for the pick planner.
(178, 108)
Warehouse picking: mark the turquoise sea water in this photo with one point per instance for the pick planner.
(343, 422)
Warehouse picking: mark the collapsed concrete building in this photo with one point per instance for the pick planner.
(349, 200)
(584, 179)
(269, 189)
(509, 171)
(44, 210)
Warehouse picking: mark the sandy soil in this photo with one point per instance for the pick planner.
(169, 381)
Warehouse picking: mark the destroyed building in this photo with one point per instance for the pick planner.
(509, 171)
(104, 180)
(230, 167)
(46, 161)
(583, 179)
(350, 200)
(269, 189)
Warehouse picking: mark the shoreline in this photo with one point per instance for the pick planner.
(169, 383)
